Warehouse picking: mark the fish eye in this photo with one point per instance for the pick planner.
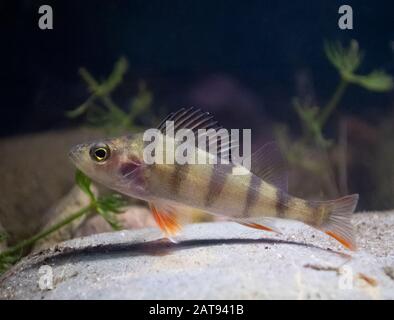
(100, 152)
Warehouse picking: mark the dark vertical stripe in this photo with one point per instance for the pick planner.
(217, 182)
(179, 174)
(314, 216)
(282, 200)
(252, 195)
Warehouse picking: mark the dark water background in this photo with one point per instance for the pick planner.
(256, 48)
(243, 60)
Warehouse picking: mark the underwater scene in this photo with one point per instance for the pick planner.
(197, 150)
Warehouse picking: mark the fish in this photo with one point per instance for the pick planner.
(255, 199)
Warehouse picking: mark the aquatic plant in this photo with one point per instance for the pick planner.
(3, 236)
(346, 61)
(101, 110)
(107, 206)
(313, 118)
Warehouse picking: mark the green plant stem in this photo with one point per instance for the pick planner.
(333, 103)
(26, 243)
(111, 106)
(97, 91)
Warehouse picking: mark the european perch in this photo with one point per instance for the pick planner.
(253, 199)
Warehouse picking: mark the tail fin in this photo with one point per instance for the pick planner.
(338, 224)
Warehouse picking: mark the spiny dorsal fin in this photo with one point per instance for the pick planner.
(190, 118)
(195, 119)
(268, 163)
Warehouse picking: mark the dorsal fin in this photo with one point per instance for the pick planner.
(267, 163)
(195, 119)
(190, 118)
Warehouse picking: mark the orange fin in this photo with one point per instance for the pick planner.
(346, 243)
(265, 225)
(166, 219)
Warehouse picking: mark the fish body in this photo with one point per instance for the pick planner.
(254, 198)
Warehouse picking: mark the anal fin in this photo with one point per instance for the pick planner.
(264, 224)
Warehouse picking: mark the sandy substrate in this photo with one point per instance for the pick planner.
(219, 260)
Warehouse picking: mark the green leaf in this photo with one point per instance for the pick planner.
(142, 101)
(93, 85)
(97, 116)
(84, 183)
(110, 218)
(3, 236)
(309, 116)
(100, 109)
(116, 77)
(77, 111)
(376, 81)
(345, 60)
(113, 202)
(109, 206)
(7, 261)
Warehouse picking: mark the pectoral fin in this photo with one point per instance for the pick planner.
(166, 218)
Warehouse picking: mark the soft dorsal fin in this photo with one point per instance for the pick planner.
(267, 163)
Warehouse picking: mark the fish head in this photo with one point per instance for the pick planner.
(115, 163)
